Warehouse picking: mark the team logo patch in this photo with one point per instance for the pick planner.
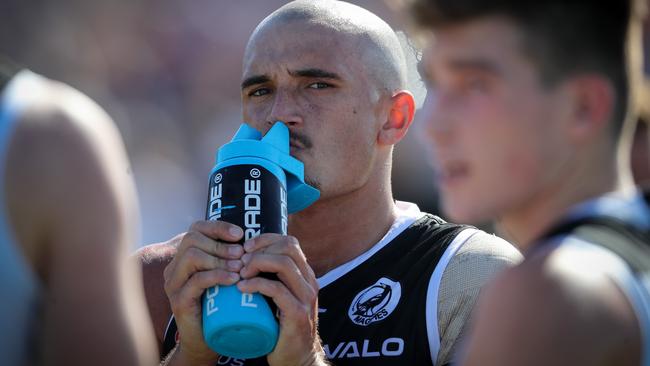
(375, 303)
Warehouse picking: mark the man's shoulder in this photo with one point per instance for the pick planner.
(154, 258)
(478, 260)
(572, 310)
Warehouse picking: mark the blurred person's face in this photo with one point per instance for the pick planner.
(491, 125)
(313, 80)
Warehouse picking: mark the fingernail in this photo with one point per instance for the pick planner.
(235, 250)
(235, 231)
(234, 265)
(248, 245)
(233, 276)
(246, 258)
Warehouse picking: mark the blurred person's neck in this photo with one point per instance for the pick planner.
(585, 178)
(336, 230)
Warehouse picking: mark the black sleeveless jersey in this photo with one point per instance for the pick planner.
(623, 239)
(375, 313)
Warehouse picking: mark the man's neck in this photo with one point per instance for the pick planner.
(525, 224)
(335, 230)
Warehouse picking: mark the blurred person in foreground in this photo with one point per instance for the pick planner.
(529, 116)
(67, 220)
(641, 141)
(334, 73)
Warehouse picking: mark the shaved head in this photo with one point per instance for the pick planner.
(378, 46)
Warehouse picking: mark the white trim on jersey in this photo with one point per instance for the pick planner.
(407, 213)
(433, 332)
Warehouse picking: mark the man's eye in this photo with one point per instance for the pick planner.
(259, 92)
(319, 85)
(476, 84)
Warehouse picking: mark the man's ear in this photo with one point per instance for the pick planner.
(593, 106)
(400, 117)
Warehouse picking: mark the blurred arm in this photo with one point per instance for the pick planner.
(73, 206)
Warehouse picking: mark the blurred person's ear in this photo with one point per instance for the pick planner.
(592, 99)
(400, 117)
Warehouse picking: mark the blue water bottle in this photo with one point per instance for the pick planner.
(254, 185)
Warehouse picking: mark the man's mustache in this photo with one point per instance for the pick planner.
(301, 139)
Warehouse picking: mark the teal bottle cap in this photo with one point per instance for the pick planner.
(274, 147)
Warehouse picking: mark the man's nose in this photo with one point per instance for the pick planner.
(285, 108)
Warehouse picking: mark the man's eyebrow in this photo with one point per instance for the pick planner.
(474, 65)
(315, 73)
(253, 80)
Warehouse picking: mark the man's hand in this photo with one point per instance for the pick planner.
(205, 257)
(295, 294)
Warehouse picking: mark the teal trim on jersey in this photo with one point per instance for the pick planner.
(272, 152)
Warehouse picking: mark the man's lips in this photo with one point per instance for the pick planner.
(452, 172)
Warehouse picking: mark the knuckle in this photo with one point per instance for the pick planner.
(194, 280)
(168, 289)
(193, 254)
(287, 262)
(293, 247)
(196, 226)
(312, 296)
(293, 242)
(276, 287)
(169, 271)
(190, 237)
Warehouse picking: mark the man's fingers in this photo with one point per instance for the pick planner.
(195, 260)
(289, 305)
(195, 239)
(264, 240)
(282, 245)
(286, 269)
(219, 230)
(188, 295)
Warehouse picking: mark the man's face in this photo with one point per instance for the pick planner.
(313, 80)
(493, 128)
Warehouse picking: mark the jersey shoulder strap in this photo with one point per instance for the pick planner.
(624, 239)
(8, 70)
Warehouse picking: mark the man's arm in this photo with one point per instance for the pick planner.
(550, 311)
(480, 258)
(153, 259)
(72, 204)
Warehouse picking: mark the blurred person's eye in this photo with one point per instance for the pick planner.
(259, 92)
(475, 84)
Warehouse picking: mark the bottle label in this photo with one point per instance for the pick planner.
(248, 196)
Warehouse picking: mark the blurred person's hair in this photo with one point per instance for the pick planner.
(562, 38)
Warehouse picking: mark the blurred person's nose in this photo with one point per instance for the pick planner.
(284, 108)
(438, 118)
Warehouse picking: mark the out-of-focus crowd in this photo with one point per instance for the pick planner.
(168, 72)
